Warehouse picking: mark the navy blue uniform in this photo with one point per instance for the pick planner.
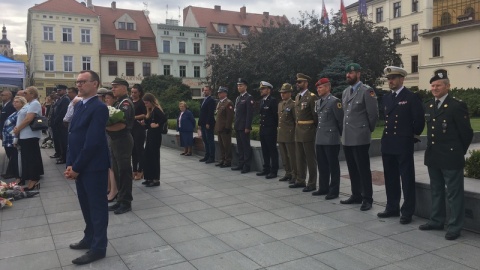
(268, 134)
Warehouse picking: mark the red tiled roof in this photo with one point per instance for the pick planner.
(63, 6)
(207, 17)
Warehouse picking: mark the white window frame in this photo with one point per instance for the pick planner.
(68, 31)
(86, 60)
(86, 36)
(51, 62)
(222, 28)
(48, 33)
(68, 63)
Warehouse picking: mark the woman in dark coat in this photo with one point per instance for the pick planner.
(186, 126)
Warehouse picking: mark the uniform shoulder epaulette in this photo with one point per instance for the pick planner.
(312, 94)
(457, 99)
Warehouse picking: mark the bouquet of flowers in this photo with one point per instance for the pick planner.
(12, 191)
(115, 116)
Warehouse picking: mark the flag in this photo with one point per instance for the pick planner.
(324, 18)
(362, 7)
(344, 13)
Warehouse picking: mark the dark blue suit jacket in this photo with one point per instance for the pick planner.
(87, 140)
(207, 112)
(60, 110)
(188, 122)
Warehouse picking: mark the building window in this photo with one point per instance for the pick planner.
(49, 62)
(181, 47)
(166, 69)
(196, 48)
(121, 25)
(182, 34)
(244, 30)
(397, 35)
(48, 33)
(414, 63)
(436, 47)
(196, 71)
(397, 9)
(86, 63)
(112, 68)
(130, 45)
(446, 19)
(147, 69)
(222, 28)
(67, 35)
(130, 68)
(166, 46)
(68, 63)
(165, 32)
(130, 26)
(379, 14)
(414, 32)
(197, 35)
(414, 5)
(183, 71)
(226, 48)
(85, 33)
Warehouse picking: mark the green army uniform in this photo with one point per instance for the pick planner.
(286, 136)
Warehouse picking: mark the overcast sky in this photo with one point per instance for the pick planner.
(14, 12)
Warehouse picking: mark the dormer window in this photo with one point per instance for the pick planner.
(126, 25)
(245, 30)
(222, 28)
(121, 25)
(128, 45)
(130, 26)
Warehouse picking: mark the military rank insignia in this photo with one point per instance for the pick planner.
(339, 105)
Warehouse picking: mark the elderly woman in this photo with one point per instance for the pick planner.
(185, 126)
(31, 158)
(9, 140)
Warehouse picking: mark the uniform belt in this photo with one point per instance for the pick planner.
(307, 122)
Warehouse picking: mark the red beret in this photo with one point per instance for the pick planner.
(322, 81)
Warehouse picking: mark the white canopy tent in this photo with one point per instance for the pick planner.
(12, 72)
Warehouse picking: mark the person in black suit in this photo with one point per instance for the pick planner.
(404, 122)
(87, 164)
(268, 131)
(449, 134)
(60, 131)
(243, 126)
(7, 110)
(206, 123)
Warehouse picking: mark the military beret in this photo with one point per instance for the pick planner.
(222, 89)
(303, 77)
(102, 91)
(264, 84)
(391, 71)
(242, 81)
(353, 67)
(439, 74)
(61, 87)
(322, 81)
(120, 81)
(286, 87)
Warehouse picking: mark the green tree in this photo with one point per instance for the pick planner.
(335, 72)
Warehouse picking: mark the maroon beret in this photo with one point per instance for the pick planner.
(322, 81)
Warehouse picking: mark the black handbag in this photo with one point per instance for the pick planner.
(39, 123)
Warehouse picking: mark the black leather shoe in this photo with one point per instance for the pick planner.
(55, 156)
(308, 189)
(245, 171)
(291, 181)
(365, 206)
(452, 236)
(319, 193)
(262, 173)
(271, 175)
(114, 207)
(80, 245)
(351, 200)
(219, 164)
(124, 208)
(238, 168)
(226, 165)
(331, 196)
(405, 219)
(210, 161)
(387, 214)
(429, 227)
(153, 184)
(297, 185)
(88, 258)
(146, 182)
(285, 178)
(203, 159)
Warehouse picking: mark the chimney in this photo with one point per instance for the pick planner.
(114, 5)
(218, 8)
(265, 13)
(89, 4)
(243, 12)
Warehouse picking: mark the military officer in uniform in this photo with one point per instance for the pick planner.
(329, 130)
(243, 126)
(449, 135)
(305, 128)
(404, 122)
(360, 117)
(268, 131)
(286, 133)
(223, 127)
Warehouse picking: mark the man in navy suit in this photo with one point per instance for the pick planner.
(87, 163)
(206, 123)
(404, 122)
(60, 131)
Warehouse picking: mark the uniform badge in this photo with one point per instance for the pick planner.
(251, 101)
(431, 105)
(339, 105)
(230, 107)
(446, 105)
(372, 93)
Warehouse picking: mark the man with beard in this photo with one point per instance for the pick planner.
(360, 117)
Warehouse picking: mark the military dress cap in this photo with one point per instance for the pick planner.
(264, 84)
(242, 81)
(102, 91)
(222, 89)
(303, 77)
(286, 87)
(391, 71)
(353, 67)
(120, 81)
(322, 81)
(439, 75)
(61, 87)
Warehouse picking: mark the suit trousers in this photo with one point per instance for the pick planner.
(328, 168)
(138, 134)
(396, 167)
(91, 189)
(12, 167)
(244, 149)
(269, 149)
(289, 160)
(225, 142)
(63, 140)
(56, 141)
(453, 179)
(209, 142)
(305, 153)
(121, 150)
(358, 163)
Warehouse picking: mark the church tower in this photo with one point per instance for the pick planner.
(5, 49)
